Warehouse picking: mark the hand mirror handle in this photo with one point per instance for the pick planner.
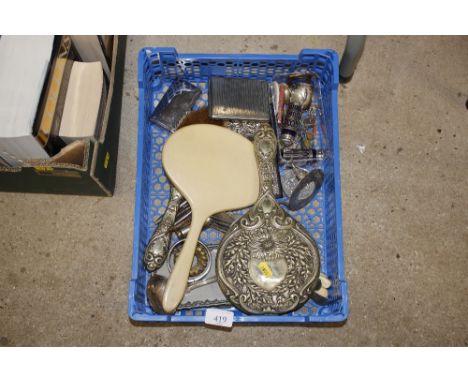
(157, 248)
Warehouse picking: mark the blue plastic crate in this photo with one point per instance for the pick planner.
(157, 67)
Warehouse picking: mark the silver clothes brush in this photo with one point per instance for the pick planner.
(239, 98)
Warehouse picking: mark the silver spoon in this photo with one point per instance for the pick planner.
(155, 292)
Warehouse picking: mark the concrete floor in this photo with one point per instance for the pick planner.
(65, 261)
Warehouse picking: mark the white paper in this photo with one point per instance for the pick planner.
(219, 317)
(23, 67)
(82, 101)
(90, 50)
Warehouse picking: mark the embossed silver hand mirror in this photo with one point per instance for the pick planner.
(267, 262)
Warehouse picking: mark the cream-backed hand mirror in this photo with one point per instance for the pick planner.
(215, 170)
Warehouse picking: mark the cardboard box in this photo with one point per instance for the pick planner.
(90, 167)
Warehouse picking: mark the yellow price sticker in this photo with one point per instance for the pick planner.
(106, 160)
(44, 169)
(265, 269)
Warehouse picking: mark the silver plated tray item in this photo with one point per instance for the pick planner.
(267, 263)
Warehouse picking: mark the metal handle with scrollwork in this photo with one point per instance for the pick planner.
(157, 249)
(265, 152)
